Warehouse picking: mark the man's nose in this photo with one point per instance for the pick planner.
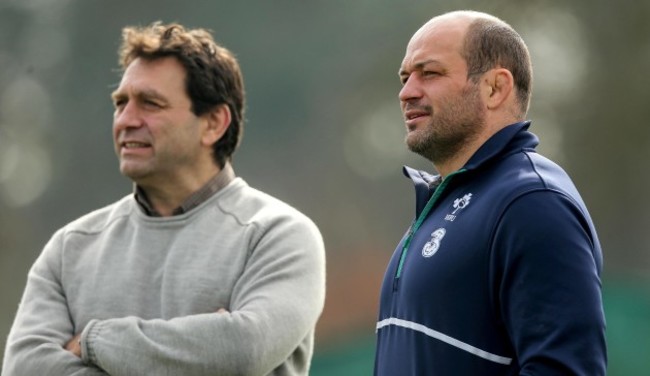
(410, 90)
(127, 116)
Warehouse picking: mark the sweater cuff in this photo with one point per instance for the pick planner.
(88, 337)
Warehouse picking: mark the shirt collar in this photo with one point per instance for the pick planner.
(214, 185)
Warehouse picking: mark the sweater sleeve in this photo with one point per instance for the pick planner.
(42, 325)
(549, 289)
(274, 308)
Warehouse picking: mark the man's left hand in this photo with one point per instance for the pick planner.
(74, 345)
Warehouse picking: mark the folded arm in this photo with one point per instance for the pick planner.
(42, 326)
(274, 307)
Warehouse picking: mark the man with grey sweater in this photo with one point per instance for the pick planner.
(196, 273)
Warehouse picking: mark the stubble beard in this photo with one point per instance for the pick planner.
(458, 123)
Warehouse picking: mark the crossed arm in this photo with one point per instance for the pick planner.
(74, 344)
(273, 310)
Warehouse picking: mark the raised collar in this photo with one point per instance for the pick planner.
(511, 138)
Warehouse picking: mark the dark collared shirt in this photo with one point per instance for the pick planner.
(214, 185)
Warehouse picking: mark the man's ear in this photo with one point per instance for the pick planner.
(497, 87)
(217, 123)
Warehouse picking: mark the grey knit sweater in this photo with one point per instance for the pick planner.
(145, 292)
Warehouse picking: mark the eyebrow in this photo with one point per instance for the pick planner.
(418, 66)
(140, 94)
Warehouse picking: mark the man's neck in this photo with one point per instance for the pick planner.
(165, 197)
(458, 160)
(463, 155)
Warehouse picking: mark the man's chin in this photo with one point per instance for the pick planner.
(421, 150)
(415, 142)
(422, 146)
(134, 173)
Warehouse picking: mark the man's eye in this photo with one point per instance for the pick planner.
(429, 73)
(150, 103)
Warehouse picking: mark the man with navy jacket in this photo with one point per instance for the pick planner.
(499, 273)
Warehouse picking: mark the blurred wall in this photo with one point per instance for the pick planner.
(324, 131)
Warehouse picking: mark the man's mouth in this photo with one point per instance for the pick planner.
(414, 114)
(412, 117)
(135, 145)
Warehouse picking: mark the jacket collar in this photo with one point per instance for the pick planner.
(511, 138)
(425, 184)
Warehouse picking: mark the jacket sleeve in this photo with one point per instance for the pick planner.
(548, 266)
(42, 325)
(274, 308)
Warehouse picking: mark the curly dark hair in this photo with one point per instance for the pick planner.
(213, 73)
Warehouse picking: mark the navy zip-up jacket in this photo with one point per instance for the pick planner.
(502, 277)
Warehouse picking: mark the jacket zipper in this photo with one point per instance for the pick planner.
(415, 226)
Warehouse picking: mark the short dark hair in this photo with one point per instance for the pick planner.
(213, 73)
(491, 43)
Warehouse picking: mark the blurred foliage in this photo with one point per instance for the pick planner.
(627, 308)
(323, 125)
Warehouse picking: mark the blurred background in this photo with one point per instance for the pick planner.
(324, 133)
